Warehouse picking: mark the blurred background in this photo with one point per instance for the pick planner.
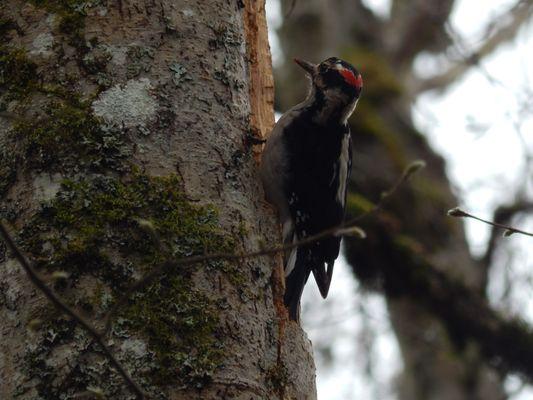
(428, 306)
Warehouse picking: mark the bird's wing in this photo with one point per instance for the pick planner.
(327, 250)
(316, 202)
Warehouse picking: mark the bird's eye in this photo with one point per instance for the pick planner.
(322, 68)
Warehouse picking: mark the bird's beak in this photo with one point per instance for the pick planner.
(307, 66)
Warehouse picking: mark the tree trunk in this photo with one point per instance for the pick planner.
(123, 144)
(385, 141)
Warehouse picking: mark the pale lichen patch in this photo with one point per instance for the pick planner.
(11, 265)
(46, 186)
(60, 356)
(134, 347)
(13, 291)
(187, 12)
(102, 12)
(127, 106)
(51, 20)
(42, 45)
(118, 54)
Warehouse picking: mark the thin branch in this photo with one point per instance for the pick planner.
(59, 304)
(502, 215)
(509, 230)
(411, 169)
(519, 14)
(345, 229)
(291, 9)
(415, 26)
(504, 342)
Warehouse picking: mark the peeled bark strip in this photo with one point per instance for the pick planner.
(124, 122)
(262, 81)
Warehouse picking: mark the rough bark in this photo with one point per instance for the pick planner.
(385, 141)
(124, 124)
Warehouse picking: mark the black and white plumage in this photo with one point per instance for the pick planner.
(305, 169)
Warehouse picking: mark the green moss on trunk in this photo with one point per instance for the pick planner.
(97, 227)
(18, 75)
(68, 138)
(72, 18)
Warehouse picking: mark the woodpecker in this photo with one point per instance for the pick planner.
(305, 168)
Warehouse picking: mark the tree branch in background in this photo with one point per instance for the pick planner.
(61, 306)
(507, 344)
(509, 230)
(415, 26)
(411, 169)
(510, 23)
(290, 10)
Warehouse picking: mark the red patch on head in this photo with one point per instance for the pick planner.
(351, 79)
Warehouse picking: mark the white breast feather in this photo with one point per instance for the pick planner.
(343, 168)
(291, 262)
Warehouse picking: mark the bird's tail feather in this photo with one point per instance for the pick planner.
(295, 282)
(323, 277)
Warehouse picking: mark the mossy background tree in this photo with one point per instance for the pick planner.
(123, 143)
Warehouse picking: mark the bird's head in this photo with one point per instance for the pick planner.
(334, 75)
(336, 87)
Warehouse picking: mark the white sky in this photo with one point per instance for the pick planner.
(480, 128)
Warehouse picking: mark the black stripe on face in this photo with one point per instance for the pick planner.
(332, 77)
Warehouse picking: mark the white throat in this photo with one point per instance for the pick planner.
(336, 100)
(348, 110)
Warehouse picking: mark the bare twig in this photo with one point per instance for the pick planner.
(502, 215)
(59, 304)
(513, 19)
(413, 27)
(411, 169)
(509, 230)
(291, 9)
(345, 229)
